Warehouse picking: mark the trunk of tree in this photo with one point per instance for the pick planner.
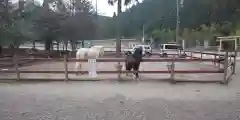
(57, 45)
(73, 45)
(63, 45)
(48, 43)
(118, 40)
(6, 10)
(82, 43)
(16, 44)
(51, 46)
(11, 47)
(66, 45)
(1, 39)
(34, 44)
(0, 50)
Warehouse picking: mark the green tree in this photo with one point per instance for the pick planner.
(119, 10)
(60, 24)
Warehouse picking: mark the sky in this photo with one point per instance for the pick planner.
(104, 8)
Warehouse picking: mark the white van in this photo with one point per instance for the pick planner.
(147, 50)
(170, 49)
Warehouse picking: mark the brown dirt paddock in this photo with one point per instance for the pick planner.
(59, 66)
(147, 66)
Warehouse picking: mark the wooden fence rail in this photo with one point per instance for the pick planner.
(116, 59)
(189, 71)
(171, 70)
(208, 53)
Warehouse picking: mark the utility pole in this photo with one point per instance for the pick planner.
(178, 18)
(143, 34)
(118, 39)
(96, 8)
(177, 22)
(97, 29)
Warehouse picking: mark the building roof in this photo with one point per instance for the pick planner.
(112, 40)
(227, 38)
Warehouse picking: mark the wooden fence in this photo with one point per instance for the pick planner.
(225, 60)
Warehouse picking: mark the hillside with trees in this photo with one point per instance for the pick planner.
(199, 19)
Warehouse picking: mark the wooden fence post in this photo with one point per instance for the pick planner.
(225, 68)
(219, 64)
(214, 61)
(172, 70)
(15, 59)
(201, 55)
(66, 67)
(119, 69)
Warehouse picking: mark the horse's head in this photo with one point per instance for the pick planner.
(137, 54)
(138, 51)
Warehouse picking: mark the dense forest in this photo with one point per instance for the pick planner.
(61, 21)
(199, 19)
(54, 20)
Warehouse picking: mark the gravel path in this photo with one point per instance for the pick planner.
(118, 101)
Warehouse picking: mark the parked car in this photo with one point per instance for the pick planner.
(147, 50)
(171, 49)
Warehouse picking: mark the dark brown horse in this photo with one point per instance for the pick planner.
(133, 60)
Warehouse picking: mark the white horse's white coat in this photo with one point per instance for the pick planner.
(86, 53)
(100, 48)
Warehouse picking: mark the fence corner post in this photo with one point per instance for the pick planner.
(225, 68)
(66, 67)
(16, 64)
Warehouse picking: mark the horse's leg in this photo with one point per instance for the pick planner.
(128, 68)
(78, 67)
(78, 64)
(85, 55)
(81, 69)
(136, 68)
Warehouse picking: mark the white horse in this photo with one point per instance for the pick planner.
(86, 53)
(100, 48)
